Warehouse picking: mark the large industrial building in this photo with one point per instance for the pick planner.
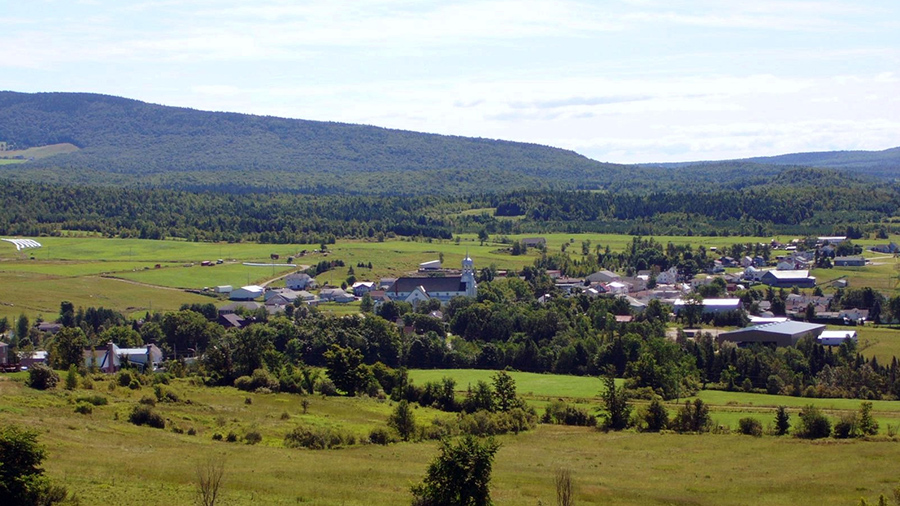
(779, 334)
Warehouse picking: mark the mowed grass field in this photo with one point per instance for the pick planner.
(106, 460)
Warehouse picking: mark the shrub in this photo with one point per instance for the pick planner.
(692, 417)
(285, 415)
(135, 384)
(461, 474)
(84, 408)
(750, 426)
(774, 384)
(87, 383)
(22, 480)
(148, 401)
(72, 378)
(560, 413)
(144, 415)
(813, 424)
(217, 437)
(380, 436)
(248, 400)
(317, 438)
(96, 400)
(124, 378)
(244, 383)
(847, 426)
(655, 417)
(326, 387)
(192, 432)
(231, 437)
(252, 437)
(868, 426)
(41, 377)
(402, 420)
(164, 394)
(782, 421)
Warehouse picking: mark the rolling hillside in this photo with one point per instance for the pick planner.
(125, 141)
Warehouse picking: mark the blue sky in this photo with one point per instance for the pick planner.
(616, 80)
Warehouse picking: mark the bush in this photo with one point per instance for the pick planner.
(244, 383)
(72, 378)
(655, 417)
(144, 415)
(813, 424)
(692, 417)
(326, 387)
(22, 479)
(192, 432)
(317, 438)
(847, 426)
(231, 437)
(217, 437)
(782, 421)
(560, 413)
(380, 436)
(774, 384)
(84, 408)
(750, 426)
(402, 420)
(96, 400)
(124, 378)
(164, 394)
(148, 401)
(41, 377)
(87, 383)
(252, 437)
(461, 474)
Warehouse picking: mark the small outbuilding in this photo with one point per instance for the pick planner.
(836, 337)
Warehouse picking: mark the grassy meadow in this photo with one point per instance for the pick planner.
(104, 459)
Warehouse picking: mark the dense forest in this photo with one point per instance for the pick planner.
(812, 201)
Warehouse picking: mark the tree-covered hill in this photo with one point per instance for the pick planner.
(125, 141)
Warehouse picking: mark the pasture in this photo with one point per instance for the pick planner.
(105, 460)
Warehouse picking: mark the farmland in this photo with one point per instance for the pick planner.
(104, 459)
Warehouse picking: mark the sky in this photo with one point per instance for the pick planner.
(622, 81)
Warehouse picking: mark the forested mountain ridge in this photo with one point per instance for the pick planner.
(881, 164)
(126, 141)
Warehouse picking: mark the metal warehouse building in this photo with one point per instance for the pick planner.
(779, 334)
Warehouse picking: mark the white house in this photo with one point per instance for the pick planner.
(669, 277)
(299, 281)
(836, 337)
(442, 288)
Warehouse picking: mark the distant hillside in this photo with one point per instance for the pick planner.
(124, 142)
(880, 164)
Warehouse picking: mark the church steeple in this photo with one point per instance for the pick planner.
(468, 275)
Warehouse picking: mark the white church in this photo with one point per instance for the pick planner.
(444, 288)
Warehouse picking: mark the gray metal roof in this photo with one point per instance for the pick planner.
(788, 328)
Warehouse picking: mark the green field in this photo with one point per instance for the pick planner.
(105, 460)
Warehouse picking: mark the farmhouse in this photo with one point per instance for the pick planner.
(361, 288)
(299, 281)
(856, 261)
(111, 358)
(336, 295)
(788, 279)
(411, 289)
(779, 334)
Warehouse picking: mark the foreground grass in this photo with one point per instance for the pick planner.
(105, 460)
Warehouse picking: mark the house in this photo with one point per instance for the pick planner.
(285, 294)
(753, 274)
(223, 289)
(617, 288)
(746, 262)
(248, 292)
(4, 354)
(778, 334)
(712, 305)
(442, 288)
(890, 248)
(249, 306)
(669, 277)
(534, 242)
(853, 315)
(335, 295)
(299, 281)
(835, 239)
(836, 337)
(567, 284)
(52, 328)
(855, 261)
(603, 276)
(361, 288)
(788, 279)
(30, 359)
(111, 358)
(231, 320)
